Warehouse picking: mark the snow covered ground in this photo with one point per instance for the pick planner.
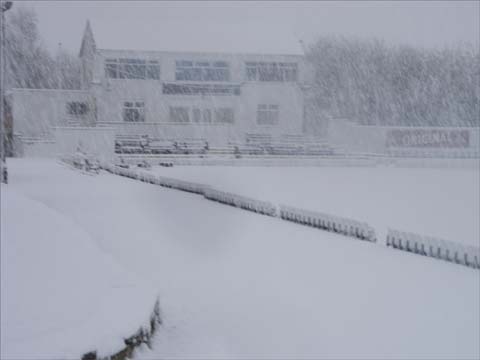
(61, 294)
(234, 284)
(436, 202)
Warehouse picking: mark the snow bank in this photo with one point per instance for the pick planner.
(62, 295)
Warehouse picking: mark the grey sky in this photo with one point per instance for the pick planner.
(429, 24)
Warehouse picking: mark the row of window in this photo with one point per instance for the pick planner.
(77, 108)
(271, 71)
(267, 114)
(183, 114)
(134, 111)
(132, 69)
(186, 70)
(203, 89)
(202, 70)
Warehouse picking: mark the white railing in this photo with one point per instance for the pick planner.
(434, 247)
(262, 207)
(418, 244)
(344, 226)
(208, 192)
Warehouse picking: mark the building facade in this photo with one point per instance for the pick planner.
(219, 97)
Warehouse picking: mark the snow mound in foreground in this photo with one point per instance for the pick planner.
(61, 295)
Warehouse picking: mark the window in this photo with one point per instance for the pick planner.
(134, 111)
(77, 108)
(271, 71)
(197, 115)
(224, 116)
(153, 70)
(179, 114)
(111, 68)
(267, 114)
(132, 69)
(202, 70)
(207, 116)
(251, 71)
(202, 116)
(200, 89)
(289, 71)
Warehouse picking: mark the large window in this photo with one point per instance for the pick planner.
(187, 70)
(224, 116)
(271, 71)
(267, 114)
(182, 114)
(132, 69)
(207, 115)
(201, 115)
(77, 108)
(179, 114)
(134, 111)
(200, 89)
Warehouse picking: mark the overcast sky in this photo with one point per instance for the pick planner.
(428, 24)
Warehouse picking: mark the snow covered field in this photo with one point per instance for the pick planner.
(234, 284)
(437, 202)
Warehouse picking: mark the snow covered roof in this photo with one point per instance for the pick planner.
(245, 38)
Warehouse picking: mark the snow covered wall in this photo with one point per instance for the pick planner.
(36, 111)
(404, 140)
(95, 141)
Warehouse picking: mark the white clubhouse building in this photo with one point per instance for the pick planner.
(212, 95)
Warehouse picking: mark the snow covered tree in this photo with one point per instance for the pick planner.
(374, 83)
(28, 62)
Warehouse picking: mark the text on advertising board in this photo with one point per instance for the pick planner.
(426, 138)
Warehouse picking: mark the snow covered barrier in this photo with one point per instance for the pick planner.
(242, 202)
(82, 161)
(177, 184)
(262, 207)
(344, 226)
(434, 247)
(187, 186)
(144, 335)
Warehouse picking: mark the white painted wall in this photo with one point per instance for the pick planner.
(44, 149)
(373, 139)
(96, 141)
(110, 94)
(36, 111)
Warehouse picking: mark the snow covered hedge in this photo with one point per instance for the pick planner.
(434, 247)
(345, 226)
